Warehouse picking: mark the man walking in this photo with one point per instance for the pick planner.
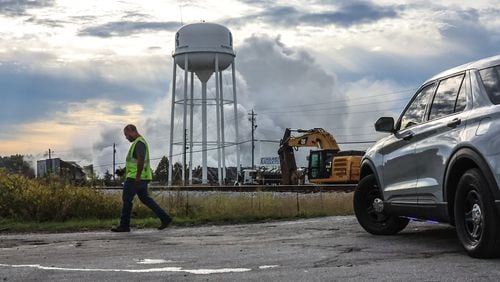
(138, 173)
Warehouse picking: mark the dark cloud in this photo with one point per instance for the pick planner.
(125, 28)
(404, 68)
(19, 7)
(85, 18)
(257, 2)
(47, 22)
(136, 15)
(351, 14)
(282, 15)
(464, 38)
(32, 93)
(278, 15)
(343, 14)
(464, 28)
(465, 35)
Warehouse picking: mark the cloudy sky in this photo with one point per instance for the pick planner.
(73, 73)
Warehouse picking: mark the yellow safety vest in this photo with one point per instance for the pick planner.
(131, 162)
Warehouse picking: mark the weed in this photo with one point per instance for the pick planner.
(35, 200)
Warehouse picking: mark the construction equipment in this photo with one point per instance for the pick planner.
(328, 165)
(260, 176)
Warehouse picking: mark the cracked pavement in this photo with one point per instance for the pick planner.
(319, 249)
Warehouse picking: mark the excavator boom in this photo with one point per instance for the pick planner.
(316, 137)
(287, 160)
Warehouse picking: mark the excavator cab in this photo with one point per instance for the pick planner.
(333, 166)
(320, 164)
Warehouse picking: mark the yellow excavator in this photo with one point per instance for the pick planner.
(328, 165)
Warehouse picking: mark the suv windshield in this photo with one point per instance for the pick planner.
(491, 81)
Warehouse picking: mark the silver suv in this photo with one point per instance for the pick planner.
(441, 161)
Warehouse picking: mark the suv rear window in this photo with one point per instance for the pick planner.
(491, 81)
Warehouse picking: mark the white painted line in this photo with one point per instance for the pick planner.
(153, 261)
(148, 270)
(268, 266)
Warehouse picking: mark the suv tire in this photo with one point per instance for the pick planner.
(476, 217)
(373, 221)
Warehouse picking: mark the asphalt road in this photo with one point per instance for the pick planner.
(324, 249)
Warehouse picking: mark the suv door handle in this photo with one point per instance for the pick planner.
(406, 136)
(454, 123)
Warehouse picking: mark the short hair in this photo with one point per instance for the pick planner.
(130, 128)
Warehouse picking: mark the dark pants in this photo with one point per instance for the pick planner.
(128, 194)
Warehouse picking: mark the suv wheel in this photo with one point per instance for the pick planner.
(476, 218)
(369, 209)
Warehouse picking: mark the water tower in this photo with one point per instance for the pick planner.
(203, 49)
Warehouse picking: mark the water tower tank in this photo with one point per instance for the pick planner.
(201, 41)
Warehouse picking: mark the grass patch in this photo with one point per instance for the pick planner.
(242, 207)
(33, 205)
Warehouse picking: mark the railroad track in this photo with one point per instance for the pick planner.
(252, 188)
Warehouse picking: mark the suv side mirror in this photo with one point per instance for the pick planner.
(385, 124)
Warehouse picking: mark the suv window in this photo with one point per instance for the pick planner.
(415, 112)
(491, 81)
(446, 97)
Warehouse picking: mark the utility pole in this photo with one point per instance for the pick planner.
(49, 168)
(253, 120)
(114, 154)
(184, 156)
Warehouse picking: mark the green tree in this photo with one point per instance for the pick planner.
(177, 174)
(161, 172)
(108, 178)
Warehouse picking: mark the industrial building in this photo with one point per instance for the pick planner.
(65, 169)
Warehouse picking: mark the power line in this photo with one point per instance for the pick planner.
(329, 128)
(338, 107)
(343, 142)
(340, 100)
(197, 151)
(336, 114)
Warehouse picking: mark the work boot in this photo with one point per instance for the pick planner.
(165, 224)
(120, 229)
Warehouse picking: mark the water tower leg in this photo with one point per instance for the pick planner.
(184, 121)
(191, 114)
(172, 110)
(204, 178)
(223, 141)
(236, 132)
(217, 110)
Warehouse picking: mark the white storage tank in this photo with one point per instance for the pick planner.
(202, 41)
